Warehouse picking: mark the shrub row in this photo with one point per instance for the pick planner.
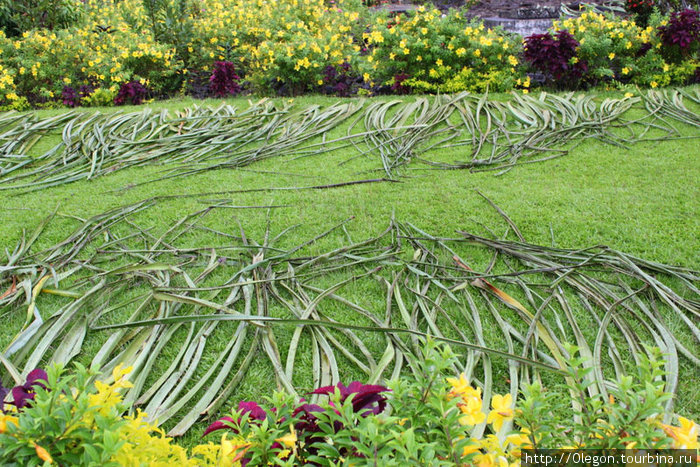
(427, 418)
(124, 51)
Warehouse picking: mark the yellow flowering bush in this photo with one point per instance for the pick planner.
(294, 46)
(8, 89)
(70, 421)
(435, 53)
(434, 420)
(615, 49)
(103, 52)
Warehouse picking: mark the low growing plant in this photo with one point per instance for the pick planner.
(71, 419)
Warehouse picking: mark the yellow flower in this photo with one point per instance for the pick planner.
(653, 84)
(21, 70)
(459, 386)
(419, 58)
(629, 94)
(392, 55)
(666, 67)
(611, 56)
(502, 411)
(43, 454)
(477, 52)
(406, 51)
(229, 449)
(472, 412)
(5, 419)
(320, 82)
(366, 77)
(289, 440)
(684, 436)
(473, 446)
(438, 62)
(512, 60)
(625, 71)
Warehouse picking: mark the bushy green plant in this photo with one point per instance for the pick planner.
(622, 51)
(629, 416)
(18, 16)
(100, 97)
(62, 425)
(440, 53)
(73, 419)
(42, 62)
(423, 419)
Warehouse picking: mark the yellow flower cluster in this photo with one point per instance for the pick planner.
(621, 49)
(92, 53)
(7, 86)
(502, 448)
(434, 50)
(142, 442)
(281, 40)
(684, 436)
(495, 450)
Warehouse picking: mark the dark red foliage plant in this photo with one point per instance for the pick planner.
(70, 97)
(398, 87)
(366, 399)
(555, 57)
(132, 92)
(73, 98)
(23, 394)
(224, 81)
(681, 35)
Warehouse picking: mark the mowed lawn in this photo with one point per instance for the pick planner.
(643, 200)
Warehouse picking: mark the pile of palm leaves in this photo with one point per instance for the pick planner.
(497, 135)
(194, 322)
(93, 145)
(483, 133)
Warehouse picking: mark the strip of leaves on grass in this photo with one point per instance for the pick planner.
(491, 134)
(194, 321)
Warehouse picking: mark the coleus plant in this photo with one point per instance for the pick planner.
(682, 33)
(304, 419)
(23, 394)
(555, 56)
(223, 80)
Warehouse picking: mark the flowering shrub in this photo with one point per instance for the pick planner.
(428, 418)
(440, 53)
(621, 51)
(294, 46)
(630, 416)
(64, 419)
(432, 417)
(44, 61)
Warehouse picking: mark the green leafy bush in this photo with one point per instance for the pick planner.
(621, 51)
(442, 53)
(18, 16)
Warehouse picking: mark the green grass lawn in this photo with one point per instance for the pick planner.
(643, 200)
